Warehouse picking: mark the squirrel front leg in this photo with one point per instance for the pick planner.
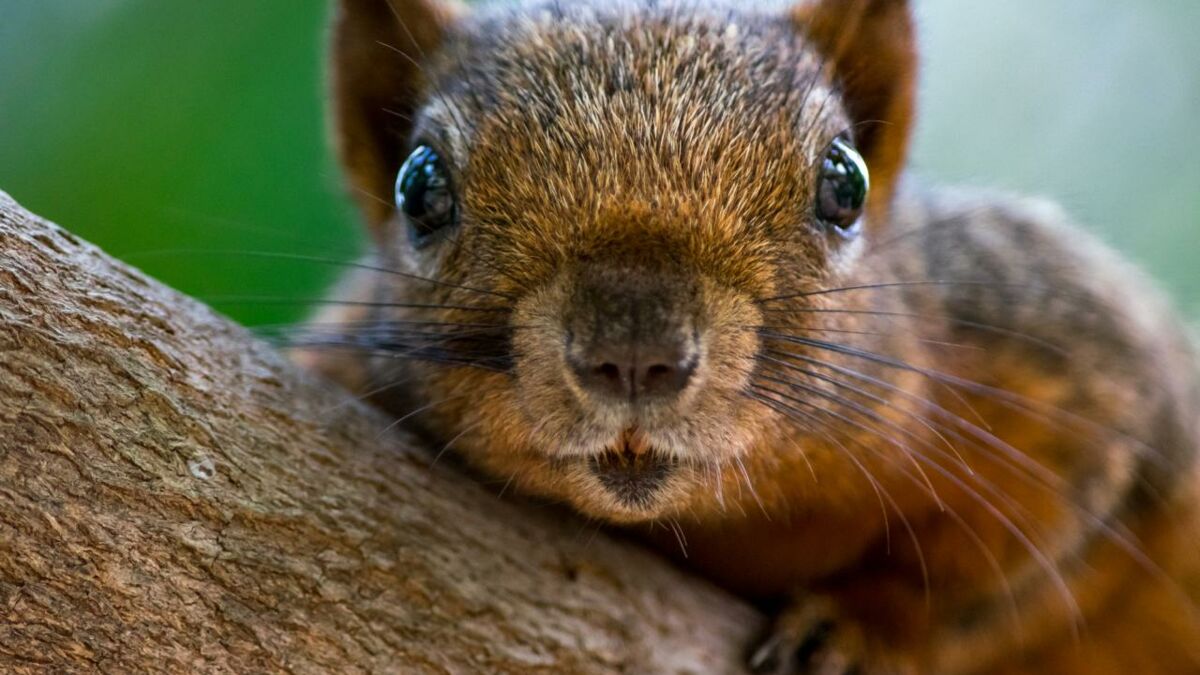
(812, 633)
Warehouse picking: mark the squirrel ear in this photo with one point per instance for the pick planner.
(377, 80)
(870, 49)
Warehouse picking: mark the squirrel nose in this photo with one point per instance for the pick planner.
(636, 371)
(631, 335)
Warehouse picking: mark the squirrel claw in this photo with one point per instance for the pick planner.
(809, 638)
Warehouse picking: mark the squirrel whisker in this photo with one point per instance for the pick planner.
(1029, 470)
(961, 523)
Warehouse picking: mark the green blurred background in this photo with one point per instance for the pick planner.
(159, 128)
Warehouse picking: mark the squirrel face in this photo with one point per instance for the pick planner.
(606, 195)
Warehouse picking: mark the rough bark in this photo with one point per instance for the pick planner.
(175, 496)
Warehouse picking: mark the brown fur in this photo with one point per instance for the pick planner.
(995, 474)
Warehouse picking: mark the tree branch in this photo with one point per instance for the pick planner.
(174, 495)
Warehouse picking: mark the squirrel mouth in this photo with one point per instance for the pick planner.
(630, 470)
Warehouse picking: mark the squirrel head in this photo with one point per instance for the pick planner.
(614, 188)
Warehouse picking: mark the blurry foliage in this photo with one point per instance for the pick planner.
(160, 129)
(163, 129)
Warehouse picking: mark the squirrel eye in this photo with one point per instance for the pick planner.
(842, 188)
(424, 193)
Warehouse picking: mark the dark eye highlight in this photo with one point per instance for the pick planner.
(842, 188)
(425, 193)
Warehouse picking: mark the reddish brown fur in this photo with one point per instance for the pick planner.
(676, 148)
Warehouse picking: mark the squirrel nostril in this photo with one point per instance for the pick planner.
(658, 371)
(606, 378)
(658, 378)
(662, 379)
(608, 371)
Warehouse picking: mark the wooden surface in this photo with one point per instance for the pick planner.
(174, 495)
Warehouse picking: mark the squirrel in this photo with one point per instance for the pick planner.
(660, 261)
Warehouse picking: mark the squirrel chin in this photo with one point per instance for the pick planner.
(624, 488)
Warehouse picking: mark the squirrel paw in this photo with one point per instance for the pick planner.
(810, 637)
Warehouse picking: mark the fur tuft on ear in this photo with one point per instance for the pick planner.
(377, 81)
(870, 47)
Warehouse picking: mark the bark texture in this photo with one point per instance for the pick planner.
(176, 496)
